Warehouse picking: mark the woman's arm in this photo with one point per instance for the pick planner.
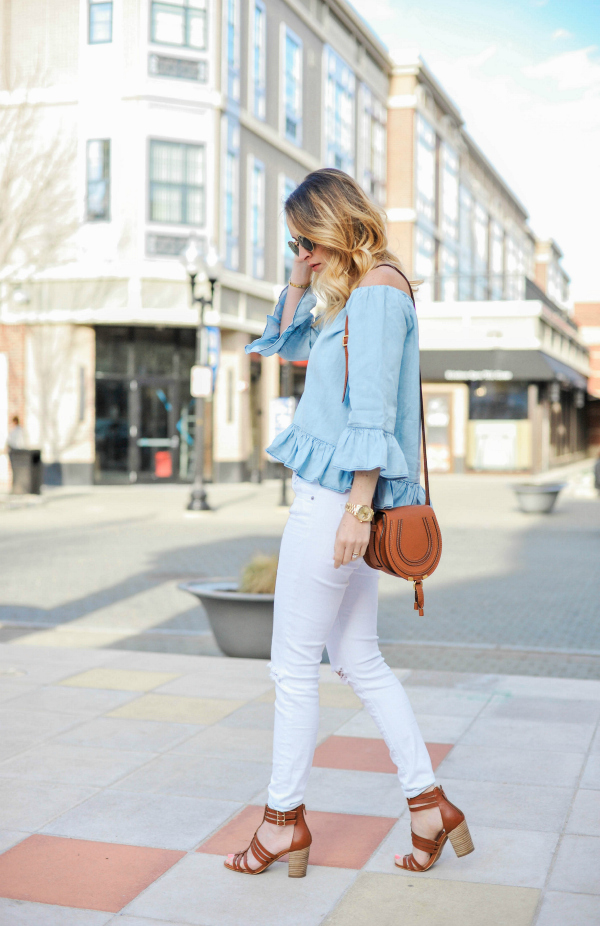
(353, 535)
(301, 275)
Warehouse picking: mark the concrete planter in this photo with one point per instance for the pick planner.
(538, 498)
(242, 623)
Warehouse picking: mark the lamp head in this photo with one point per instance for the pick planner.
(193, 260)
(213, 264)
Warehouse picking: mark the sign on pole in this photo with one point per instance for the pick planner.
(281, 414)
(201, 381)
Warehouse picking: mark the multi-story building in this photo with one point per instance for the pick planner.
(504, 366)
(186, 116)
(587, 317)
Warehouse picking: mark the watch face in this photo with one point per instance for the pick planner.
(364, 512)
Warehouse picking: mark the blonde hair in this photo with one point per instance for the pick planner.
(331, 209)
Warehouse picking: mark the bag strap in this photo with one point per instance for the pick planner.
(345, 343)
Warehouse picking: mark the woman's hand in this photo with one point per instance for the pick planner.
(352, 537)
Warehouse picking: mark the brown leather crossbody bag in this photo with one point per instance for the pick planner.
(405, 541)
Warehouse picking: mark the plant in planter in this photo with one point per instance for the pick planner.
(241, 613)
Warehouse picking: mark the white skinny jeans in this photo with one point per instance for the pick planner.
(318, 605)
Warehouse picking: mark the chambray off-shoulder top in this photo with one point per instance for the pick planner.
(378, 423)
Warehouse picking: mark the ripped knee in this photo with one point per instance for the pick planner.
(342, 674)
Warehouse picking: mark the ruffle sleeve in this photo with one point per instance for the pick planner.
(296, 341)
(379, 318)
(370, 448)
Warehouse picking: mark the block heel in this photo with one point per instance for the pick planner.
(298, 863)
(454, 828)
(461, 839)
(298, 851)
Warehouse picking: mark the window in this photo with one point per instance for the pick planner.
(179, 23)
(481, 222)
(465, 283)
(259, 60)
(374, 151)
(497, 400)
(98, 180)
(426, 170)
(339, 113)
(449, 159)
(288, 258)
(177, 183)
(233, 49)
(496, 261)
(257, 218)
(448, 291)
(231, 193)
(425, 262)
(100, 22)
(293, 88)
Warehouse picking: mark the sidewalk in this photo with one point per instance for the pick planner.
(126, 776)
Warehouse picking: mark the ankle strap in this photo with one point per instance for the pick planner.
(423, 801)
(280, 817)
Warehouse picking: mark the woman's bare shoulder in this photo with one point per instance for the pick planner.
(385, 276)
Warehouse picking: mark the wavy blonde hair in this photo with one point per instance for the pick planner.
(331, 209)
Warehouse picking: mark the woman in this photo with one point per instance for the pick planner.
(350, 449)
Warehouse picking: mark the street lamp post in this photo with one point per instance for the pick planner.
(198, 270)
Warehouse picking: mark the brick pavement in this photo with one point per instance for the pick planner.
(513, 593)
(126, 776)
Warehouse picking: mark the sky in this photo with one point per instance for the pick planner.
(525, 75)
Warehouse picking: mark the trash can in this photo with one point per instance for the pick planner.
(27, 471)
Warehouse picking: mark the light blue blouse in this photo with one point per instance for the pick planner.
(378, 423)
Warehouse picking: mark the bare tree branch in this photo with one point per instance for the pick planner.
(38, 214)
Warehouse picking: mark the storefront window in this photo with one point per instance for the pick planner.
(499, 401)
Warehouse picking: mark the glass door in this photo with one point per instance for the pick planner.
(155, 435)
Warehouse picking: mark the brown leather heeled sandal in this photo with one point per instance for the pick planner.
(455, 829)
(298, 851)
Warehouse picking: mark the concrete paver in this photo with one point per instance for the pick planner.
(518, 766)
(563, 909)
(23, 913)
(502, 856)
(168, 821)
(577, 865)
(425, 901)
(175, 709)
(27, 805)
(273, 901)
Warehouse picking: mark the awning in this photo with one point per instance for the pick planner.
(497, 365)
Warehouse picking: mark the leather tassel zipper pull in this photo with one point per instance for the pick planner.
(419, 597)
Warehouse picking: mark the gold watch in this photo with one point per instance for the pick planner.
(362, 512)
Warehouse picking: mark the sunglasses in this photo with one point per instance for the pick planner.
(306, 243)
